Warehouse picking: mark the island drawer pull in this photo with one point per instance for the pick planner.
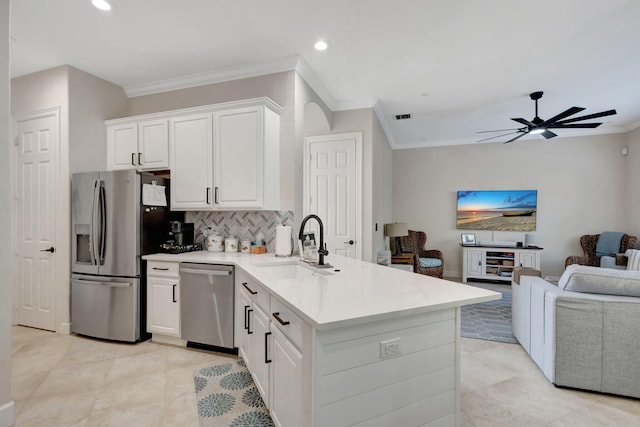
(279, 319)
(252, 292)
(266, 347)
(246, 318)
(161, 268)
(249, 331)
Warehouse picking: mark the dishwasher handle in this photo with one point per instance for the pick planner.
(206, 272)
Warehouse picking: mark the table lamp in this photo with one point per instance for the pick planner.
(397, 230)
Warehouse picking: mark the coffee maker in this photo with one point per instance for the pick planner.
(181, 233)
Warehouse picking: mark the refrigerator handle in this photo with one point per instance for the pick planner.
(93, 236)
(103, 222)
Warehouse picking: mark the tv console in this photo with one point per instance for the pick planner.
(497, 262)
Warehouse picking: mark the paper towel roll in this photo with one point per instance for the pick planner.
(283, 240)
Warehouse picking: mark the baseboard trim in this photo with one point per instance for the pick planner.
(64, 328)
(6, 414)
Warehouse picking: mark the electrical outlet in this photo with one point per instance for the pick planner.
(390, 348)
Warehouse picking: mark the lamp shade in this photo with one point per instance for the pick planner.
(397, 229)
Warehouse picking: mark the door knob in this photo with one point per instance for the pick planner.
(351, 242)
(51, 249)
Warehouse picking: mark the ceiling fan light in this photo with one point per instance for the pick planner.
(101, 4)
(537, 131)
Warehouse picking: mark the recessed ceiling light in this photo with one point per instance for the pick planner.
(101, 4)
(321, 45)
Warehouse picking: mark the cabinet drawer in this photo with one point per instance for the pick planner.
(163, 269)
(288, 322)
(258, 294)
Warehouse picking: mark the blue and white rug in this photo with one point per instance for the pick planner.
(489, 320)
(227, 396)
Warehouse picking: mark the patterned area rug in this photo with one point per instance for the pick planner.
(489, 320)
(226, 396)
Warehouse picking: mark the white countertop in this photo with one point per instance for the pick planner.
(360, 292)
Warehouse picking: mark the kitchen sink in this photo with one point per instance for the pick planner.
(291, 270)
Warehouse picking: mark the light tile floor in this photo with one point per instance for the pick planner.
(74, 381)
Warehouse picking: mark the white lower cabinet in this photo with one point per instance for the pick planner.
(259, 351)
(497, 263)
(163, 292)
(286, 381)
(391, 371)
(275, 362)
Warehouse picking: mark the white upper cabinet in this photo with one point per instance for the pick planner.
(140, 145)
(221, 156)
(191, 162)
(245, 158)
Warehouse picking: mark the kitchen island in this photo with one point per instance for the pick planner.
(355, 344)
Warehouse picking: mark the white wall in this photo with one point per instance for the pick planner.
(91, 102)
(632, 142)
(581, 185)
(6, 404)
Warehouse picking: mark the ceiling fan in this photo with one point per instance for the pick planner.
(538, 126)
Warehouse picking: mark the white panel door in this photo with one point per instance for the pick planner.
(37, 187)
(334, 190)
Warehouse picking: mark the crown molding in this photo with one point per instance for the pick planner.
(385, 126)
(218, 76)
(310, 78)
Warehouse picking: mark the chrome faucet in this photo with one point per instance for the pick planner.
(322, 250)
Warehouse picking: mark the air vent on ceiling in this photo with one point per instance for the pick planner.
(403, 116)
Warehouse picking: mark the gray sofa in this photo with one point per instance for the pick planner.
(585, 332)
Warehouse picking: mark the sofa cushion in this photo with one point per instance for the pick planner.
(430, 262)
(596, 280)
(633, 262)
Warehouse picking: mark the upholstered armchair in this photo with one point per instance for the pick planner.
(589, 243)
(426, 261)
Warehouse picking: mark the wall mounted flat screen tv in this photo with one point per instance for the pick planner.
(504, 210)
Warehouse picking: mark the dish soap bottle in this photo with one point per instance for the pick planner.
(308, 250)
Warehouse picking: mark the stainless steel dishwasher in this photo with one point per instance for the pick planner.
(206, 304)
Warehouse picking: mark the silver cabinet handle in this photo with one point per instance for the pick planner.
(133, 159)
(208, 194)
(140, 159)
(206, 272)
(215, 199)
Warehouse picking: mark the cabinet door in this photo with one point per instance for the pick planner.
(153, 144)
(244, 325)
(260, 352)
(474, 262)
(163, 307)
(286, 391)
(122, 146)
(528, 259)
(190, 141)
(239, 158)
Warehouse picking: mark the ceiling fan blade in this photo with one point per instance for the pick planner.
(566, 113)
(588, 116)
(499, 136)
(513, 139)
(573, 125)
(498, 130)
(523, 121)
(548, 134)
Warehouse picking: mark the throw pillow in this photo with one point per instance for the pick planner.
(633, 262)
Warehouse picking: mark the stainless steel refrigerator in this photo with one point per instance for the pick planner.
(111, 230)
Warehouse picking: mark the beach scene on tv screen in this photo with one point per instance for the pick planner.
(504, 210)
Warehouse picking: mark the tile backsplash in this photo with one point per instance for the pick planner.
(243, 225)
